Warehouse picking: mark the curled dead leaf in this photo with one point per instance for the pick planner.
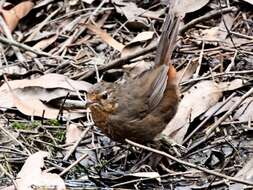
(13, 16)
(32, 170)
(105, 37)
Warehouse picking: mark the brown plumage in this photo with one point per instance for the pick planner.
(140, 108)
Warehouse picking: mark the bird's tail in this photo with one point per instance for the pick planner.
(168, 40)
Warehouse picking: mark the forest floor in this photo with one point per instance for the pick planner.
(52, 52)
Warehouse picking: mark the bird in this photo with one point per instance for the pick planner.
(140, 108)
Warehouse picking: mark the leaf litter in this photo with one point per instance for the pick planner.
(76, 38)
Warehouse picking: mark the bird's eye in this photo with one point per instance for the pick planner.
(104, 95)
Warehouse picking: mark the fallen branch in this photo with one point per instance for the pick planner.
(190, 164)
(206, 17)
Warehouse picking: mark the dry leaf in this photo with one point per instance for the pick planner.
(143, 36)
(130, 49)
(224, 108)
(146, 175)
(195, 102)
(189, 6)
(212, 34)
(34, 107)
(73, 133)
(245, 112)
(12, 187)
(129, 9)
(43, 44)
(90, 160)
(249, 1)
(13, 15)
(45, 88)
(187, 72)
(219, 33)
(154, 14)
(26, 95)
(105, 37)
(135, 44)
(231, 85)
(136, 69)
(88, 1)
(49, 81)
(12, 69)
(246, 173)
(132, 13)
(31, 174)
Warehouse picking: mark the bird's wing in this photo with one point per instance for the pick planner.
(164, 70)
(158, 86)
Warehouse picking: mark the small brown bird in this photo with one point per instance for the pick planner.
(142, 107)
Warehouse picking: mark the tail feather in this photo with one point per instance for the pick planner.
(169, 36)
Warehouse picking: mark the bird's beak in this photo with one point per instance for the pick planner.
(89, 102)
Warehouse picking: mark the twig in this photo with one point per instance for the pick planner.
(27, 48)
(116, 63)
(59, 116)
(190, 164)
(216, 75)
(69, 153)
(204, 121)
(73, 164)
(8, 175)
(196, 74)
(42, 24)
(229, 112)
(14, 139)
(206, 17)
(7, 32)
(121, 61)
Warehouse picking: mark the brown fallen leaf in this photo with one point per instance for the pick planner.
(44, 88)
(73, 133)
(12, 187)
(26, 95)
(191, 5)
(34, 107)
(245, 112)
(187, 72)
(12, 70)
(43, 44)
(143, 36)
(249, 1)
(218, 33)
(31, 174)
(15, 14)
(136, 69)
(195, 102)
(212, 111)
(49, 81)
(105, 37)
(246, 173)
(135, 44)
(129, 9)
(88, 1)
(133, 14)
